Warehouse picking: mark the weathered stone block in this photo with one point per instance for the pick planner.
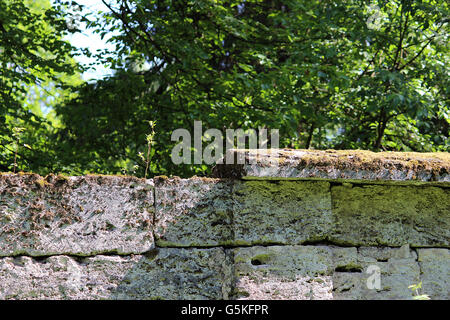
(281, 212)
(346, 259)
(435, 267)
(193, 212)
(391, 215)
(270, 287)
(396, 269)
(323, 272)
(164, 274)
(286, 261)
(63, 277)
(287, 272)
(177, 273)
(75, 215)
(383, 254)
(339, 164)
(395, 279)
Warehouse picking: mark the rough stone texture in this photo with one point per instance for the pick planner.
(277, 288)
(398, 269)
(63, 277)
(346, 259)
(74, 215)
(290, 272)
(281, 212)
(283, 272)
(193, 212)
(92, 238)
(435, 268)
(384, 254)
(396, 276)
(338, 164)
(391, 215)
(164, 274)
(324, 272)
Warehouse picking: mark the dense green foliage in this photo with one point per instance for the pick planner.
(327, 74)
(35, 68)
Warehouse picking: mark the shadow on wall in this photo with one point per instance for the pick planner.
(219, 239)
(192, 223)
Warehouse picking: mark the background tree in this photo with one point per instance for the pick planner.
(35, 70)
(327, 74)
(320, 71)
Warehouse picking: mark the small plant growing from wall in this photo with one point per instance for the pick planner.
(149, 139)
(416, 294)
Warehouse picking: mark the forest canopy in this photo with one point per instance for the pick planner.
(347, 74)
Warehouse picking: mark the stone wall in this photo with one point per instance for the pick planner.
(255, 236)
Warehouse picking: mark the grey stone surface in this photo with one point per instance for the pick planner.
(338, 164)
(397, 269)
(283, 272)
(346, 259)
(270, 287)
(75, 215)
(324, 272)
(391, 216)
(435, 268)
(281, 212)
(193, 212)
(290, 272)
(383, 254)
(395, 277)
(164, 274)
(93, 237)
(63, 277)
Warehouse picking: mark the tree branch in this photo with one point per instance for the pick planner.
(421, 50)
(400, 43)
